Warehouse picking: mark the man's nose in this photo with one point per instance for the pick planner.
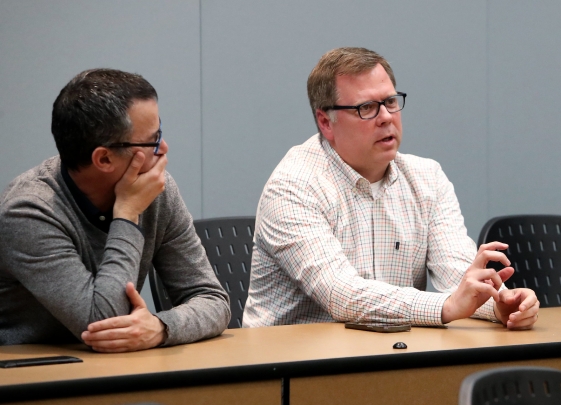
(163, 147)
(383, 114)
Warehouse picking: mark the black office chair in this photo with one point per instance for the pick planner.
(534, 251)
(228, 243)
(160, 296)
(512, 385)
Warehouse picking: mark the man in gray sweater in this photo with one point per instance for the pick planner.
(79, 232)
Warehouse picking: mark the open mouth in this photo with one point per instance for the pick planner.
(386, 139)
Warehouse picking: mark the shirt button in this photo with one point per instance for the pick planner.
(102, 218)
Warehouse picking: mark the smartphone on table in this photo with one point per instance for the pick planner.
(39, 361)
(379, 327)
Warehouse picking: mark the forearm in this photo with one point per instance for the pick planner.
(201, 307)
(78, 277)
(120, 264)
(355, 299)
(325, 275)
(203, 316)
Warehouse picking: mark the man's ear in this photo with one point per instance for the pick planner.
(103, 159)
(324, 124)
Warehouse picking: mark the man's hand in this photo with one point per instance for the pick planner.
(478, 283)
(137, 331)
(135, 192)
(517, 309)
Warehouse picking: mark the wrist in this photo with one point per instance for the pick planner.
(447, 311)
(497, 313)
(122, 212)
(163, 335)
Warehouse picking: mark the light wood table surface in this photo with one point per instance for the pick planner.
(325, 363)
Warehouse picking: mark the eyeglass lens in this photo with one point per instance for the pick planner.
(371, 109)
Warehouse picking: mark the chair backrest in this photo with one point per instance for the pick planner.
(512, 385)
(534, 251)
(229, 243)
(162, 301)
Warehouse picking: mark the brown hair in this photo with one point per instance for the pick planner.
(322, 89)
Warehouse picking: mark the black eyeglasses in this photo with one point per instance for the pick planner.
(370, 109)
(156, 144)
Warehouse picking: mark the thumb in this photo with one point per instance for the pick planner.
(134, 297)
(506, 273)
(510, 296)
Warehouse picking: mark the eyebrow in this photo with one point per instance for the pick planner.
(384, 99)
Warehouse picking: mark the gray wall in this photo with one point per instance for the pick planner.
(482, 79)
(43, 44)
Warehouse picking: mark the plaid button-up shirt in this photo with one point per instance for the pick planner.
(327, 249)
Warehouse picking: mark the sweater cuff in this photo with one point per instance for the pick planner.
(172, 337)
(130, 222)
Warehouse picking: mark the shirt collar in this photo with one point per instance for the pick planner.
(352, 175)
(101, 220)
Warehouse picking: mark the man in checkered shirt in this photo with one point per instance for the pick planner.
(347, 226)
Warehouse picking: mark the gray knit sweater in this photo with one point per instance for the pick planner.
(59, 273)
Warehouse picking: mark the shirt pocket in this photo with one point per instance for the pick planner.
(403, 264)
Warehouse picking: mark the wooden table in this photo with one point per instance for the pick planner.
(323, 363)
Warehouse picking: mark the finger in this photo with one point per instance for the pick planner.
(162, 162)
(497, 280)
(528, 301)
(112, 346)
(493, 246)
(506, 273)
(509, 296)
(106, 335)
(160, 166)
(521, 316)
(105, 350)
(110, 323)
(526, 325)
(484, 288)
(134, 297)
(134, 167)
(526, 298)
(522, 324)
(487, 256)
(482, 274)
(528, 313)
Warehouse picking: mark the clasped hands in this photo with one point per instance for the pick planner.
(517, 309)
